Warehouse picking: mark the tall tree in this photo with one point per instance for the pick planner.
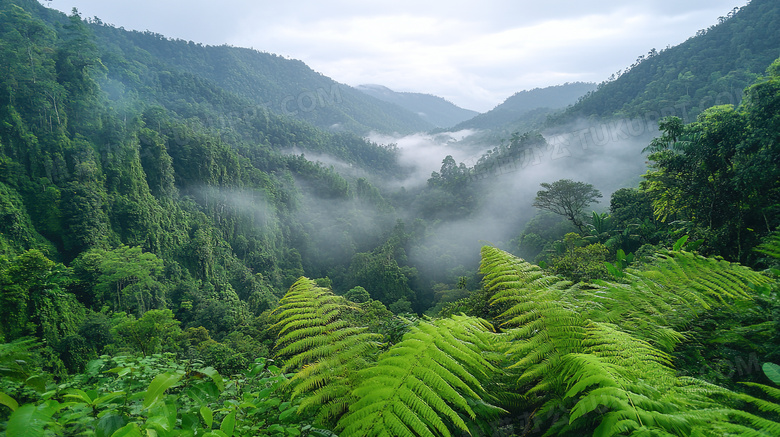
(567, 198)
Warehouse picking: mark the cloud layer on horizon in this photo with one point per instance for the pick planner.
(474, 55)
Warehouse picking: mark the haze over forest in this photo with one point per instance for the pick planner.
(219, 240)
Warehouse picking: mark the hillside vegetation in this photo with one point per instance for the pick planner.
(179, 259)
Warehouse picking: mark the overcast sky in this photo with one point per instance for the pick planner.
(475, 54)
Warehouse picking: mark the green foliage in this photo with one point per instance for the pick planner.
(326, 348)
(125, 279)
(17, 232)
(154, 332)
(433, 371)
(177, 204)
(357, 294)
(540, 233)
(770, 247)
(715, 173)
(567, 198)
(610, 379)
(621, 262)
(580, 262)
(381, 271)
(33, 300)
(425, 384)
(772, 371)
(157, 396)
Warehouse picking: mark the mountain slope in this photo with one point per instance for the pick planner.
(708, 69)
(526, 109)
(103, 146)
(266, 81)
(436, 110)
(284, 86)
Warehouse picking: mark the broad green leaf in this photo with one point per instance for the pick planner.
(158, 422)
(8, 401)
(203, 392)
(129, 430)
(109, 397)
(189, 421)
(120, 371)
(93, 367)
(79, 394)
(275, 428)
(28, 421)
(265, 392)
(157, 387)
(37, 383)
(258, 366)
(108, 425)
(215, 376)
(208, 416)
(772, 371)
(228, 424)
(286, 414)
(680, 243)
(690, 247)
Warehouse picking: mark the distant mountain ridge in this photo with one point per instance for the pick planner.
(433, 109)
(526, 110)
(285, 86)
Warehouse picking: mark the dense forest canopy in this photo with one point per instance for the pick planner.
(178, 256)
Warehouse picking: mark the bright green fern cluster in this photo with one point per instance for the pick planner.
(585, 359)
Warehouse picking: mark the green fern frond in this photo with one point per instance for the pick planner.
(433, 375)
(544, 326)
(327, 350)
(656, 301)
(601, 353)
(771, 391)
(771, 246)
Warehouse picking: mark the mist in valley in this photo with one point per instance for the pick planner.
(607, 155)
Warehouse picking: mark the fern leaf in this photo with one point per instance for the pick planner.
(431, 376)
(771, 246)
(601, 352)
(328, 351)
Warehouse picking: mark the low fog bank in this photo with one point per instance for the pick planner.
(342, 167)
(607, 155)
(422, 153)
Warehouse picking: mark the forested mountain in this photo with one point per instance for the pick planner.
(178, 258)
(283, 86)
(435, 110)
(263, 80)
(101, 153)
(526, 110)
(710, 68)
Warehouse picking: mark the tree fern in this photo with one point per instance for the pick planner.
(656, 301)
(598, 352)
(545, 326)
(631, 386)
(425, 385)
(313, 337)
